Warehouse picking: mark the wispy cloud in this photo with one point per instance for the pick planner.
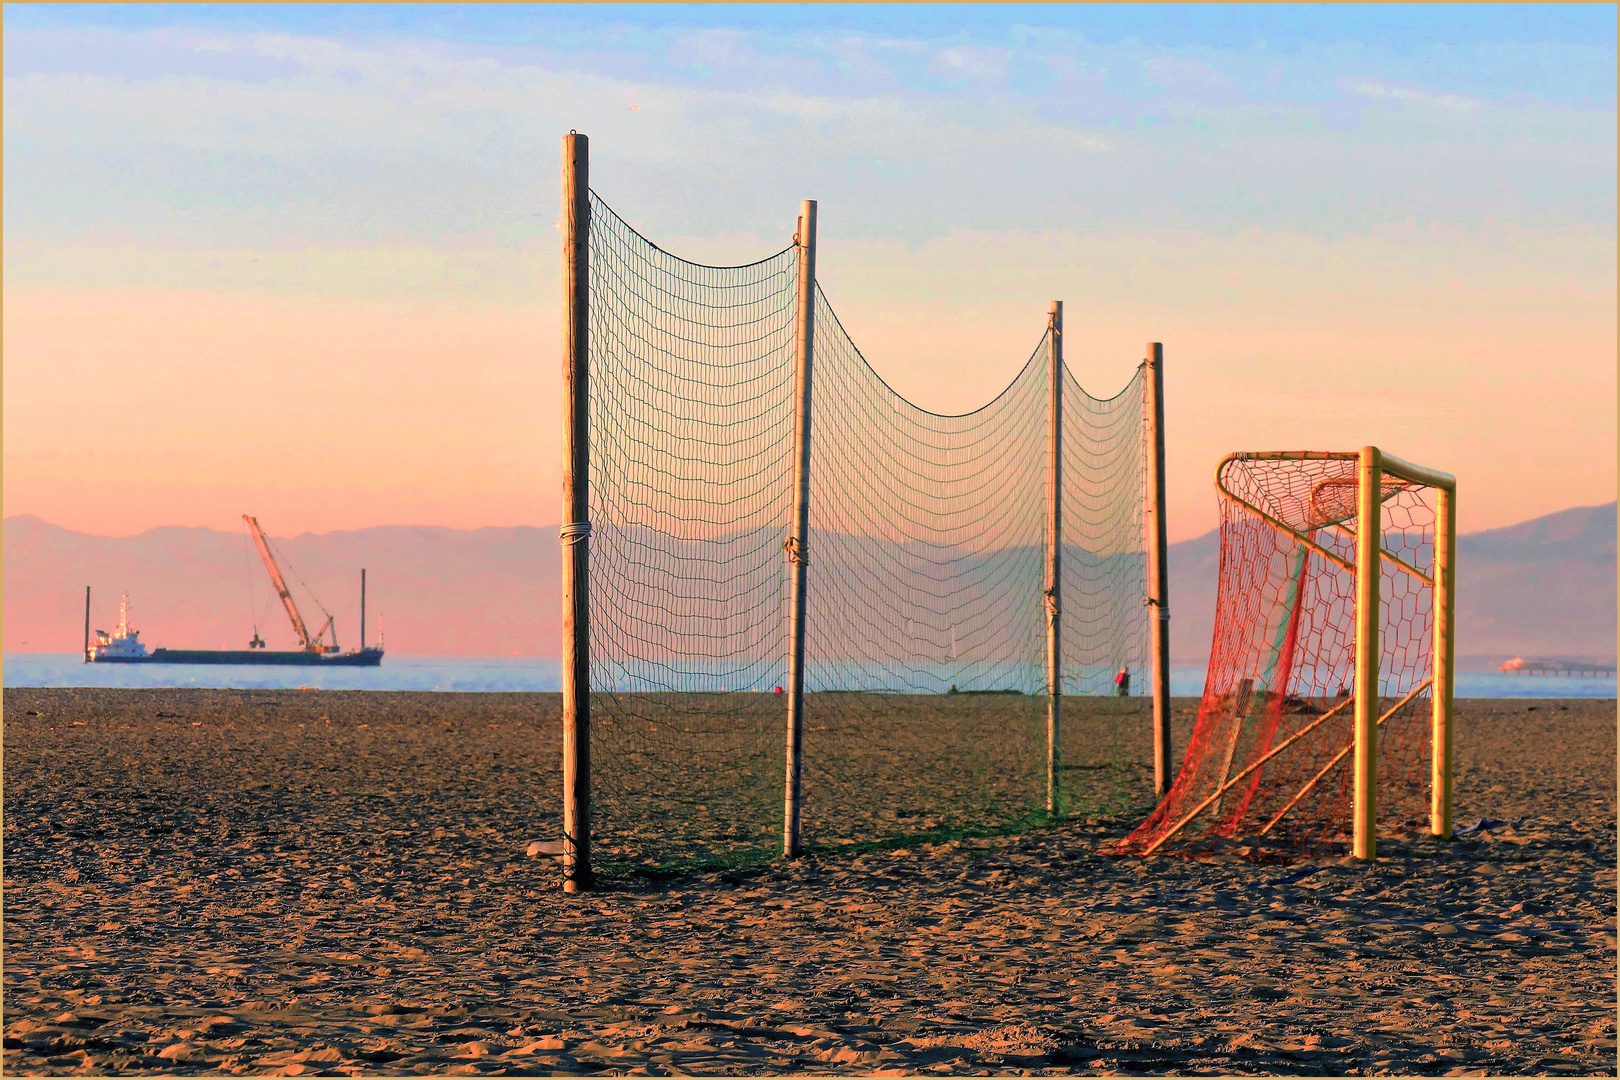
(176, 198)
(960, 61)
(1189, 76)
(905, 45)
(293, 138)
(1431, 98)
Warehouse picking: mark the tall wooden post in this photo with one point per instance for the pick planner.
(797, 546)
(1054, 559)
(1445, 654)
(1158, 573)
(576, 660)
(1369, 548)
(87, 624)
(362, 609)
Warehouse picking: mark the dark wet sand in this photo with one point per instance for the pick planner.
(286, 882)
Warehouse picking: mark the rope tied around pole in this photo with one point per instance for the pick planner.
(796, 550)
(574, 532)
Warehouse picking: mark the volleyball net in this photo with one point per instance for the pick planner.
(925, 702)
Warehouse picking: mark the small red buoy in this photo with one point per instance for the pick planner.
(778, 690)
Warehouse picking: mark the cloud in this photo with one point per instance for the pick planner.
(905, 45)
(1382, 91)
(397, 174)
(732, 52)
(1189, 76)
(408, 144)
(974, 63)
(294, 141)
(711, 47)
(312, 54)
(852, 55)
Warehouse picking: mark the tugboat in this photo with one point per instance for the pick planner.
(321, 650)
(122, 646)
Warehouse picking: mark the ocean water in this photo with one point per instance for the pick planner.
(498, 674)
(448, 673)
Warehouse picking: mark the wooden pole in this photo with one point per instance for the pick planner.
(797, 546)
(1158, 574)
(576, 664)
(1369, 545)
(1445, 653)
(362, 609)
(87, 624)
(1054, 559)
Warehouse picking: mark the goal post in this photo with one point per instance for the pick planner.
(1445, 639)
(1333, 642)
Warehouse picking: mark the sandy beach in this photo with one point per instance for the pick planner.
(340, 883)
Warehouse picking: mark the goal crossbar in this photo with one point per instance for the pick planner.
(1403, 470)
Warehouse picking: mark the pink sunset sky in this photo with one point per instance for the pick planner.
(309, 269)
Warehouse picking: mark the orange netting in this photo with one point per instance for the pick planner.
(1269, 766)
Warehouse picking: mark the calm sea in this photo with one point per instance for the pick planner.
(495, 675)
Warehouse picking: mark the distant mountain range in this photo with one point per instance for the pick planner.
(1542, 588)
(1545, 587)
(432, 591)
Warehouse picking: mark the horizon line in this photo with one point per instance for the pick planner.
(480, 528)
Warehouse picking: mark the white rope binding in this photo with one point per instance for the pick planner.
(574, 532)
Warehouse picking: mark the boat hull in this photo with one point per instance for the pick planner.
(255, 657)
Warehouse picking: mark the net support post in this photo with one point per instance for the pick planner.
(1158, 572)
(1369, 549)
(87, 624)
(1054, 559)
(1445, 655)
(797, 546)
(576, 667)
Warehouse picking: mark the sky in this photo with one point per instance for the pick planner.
(303, 262)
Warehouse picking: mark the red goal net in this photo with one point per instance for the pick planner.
(1268, 770)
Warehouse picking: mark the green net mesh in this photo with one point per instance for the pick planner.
(925, 652)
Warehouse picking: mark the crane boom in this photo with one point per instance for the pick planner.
(281, 586)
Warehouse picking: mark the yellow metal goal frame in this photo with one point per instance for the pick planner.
(1373, 465)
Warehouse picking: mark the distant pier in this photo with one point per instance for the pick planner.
(1520, 666)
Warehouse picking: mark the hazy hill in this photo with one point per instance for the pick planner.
(1544, 587)
(432, 591)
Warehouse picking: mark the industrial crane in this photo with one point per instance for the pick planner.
(308, 644)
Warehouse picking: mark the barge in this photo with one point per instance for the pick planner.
(124, 646)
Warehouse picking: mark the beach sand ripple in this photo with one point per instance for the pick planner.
(281, 882)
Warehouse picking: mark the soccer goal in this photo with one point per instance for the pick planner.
(801, 611)
(1327, 706)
